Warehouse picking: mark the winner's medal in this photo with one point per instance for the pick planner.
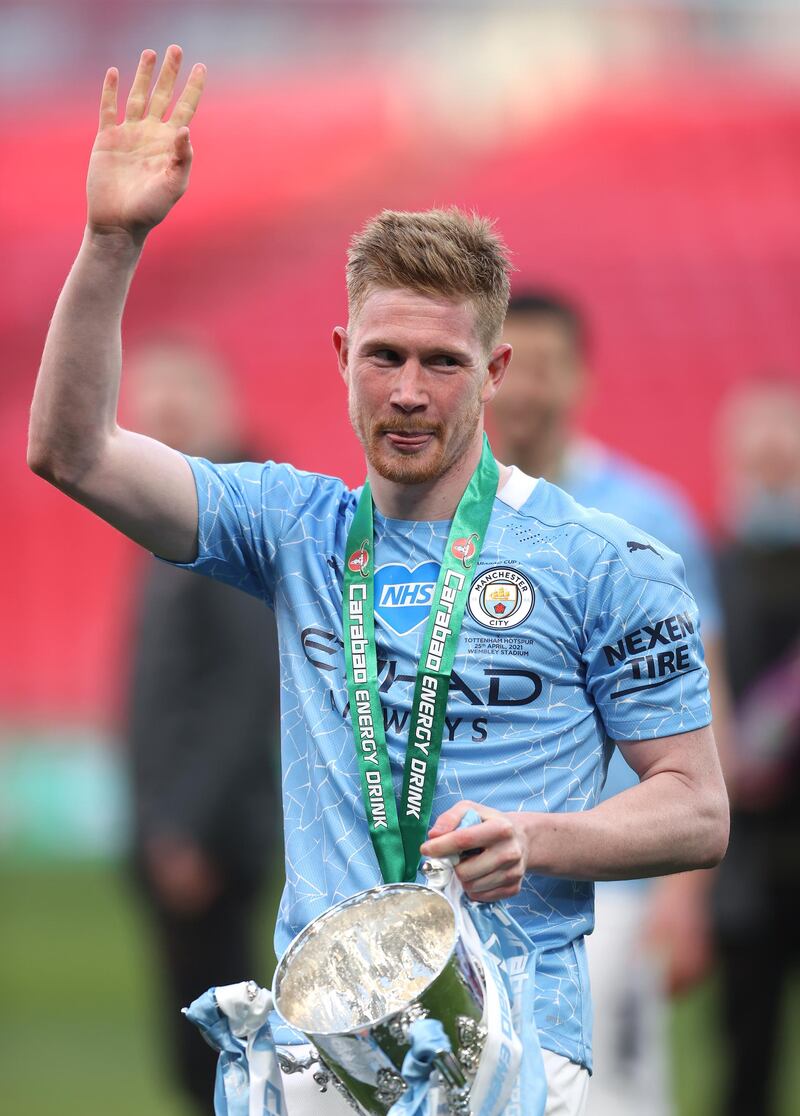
(359, 978)
(397, 987)
(397, 835)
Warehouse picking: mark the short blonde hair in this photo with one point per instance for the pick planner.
(438, 252)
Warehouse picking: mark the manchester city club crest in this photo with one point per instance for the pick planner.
(501, 597)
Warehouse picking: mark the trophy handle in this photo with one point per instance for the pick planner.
(289, 1064)
(455, 1083)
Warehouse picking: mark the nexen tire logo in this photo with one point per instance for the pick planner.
(403, 596)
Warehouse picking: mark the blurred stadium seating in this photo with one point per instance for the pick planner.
(645, 157)
(669, 210)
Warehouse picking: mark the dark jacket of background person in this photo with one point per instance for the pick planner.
(758, 886)
(203, 726)
(758, 892)
(203, 745)
(203, 729)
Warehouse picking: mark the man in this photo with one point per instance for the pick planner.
(648, 939)
(554, 607)
(758, 886)
(202, 729)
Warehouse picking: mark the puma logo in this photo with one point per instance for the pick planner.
(632, 546)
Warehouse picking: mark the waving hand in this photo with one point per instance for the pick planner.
(137, 171)
(140, 167)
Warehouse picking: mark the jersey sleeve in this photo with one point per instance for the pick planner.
(645, 667)
(244, 512)
(680, 530)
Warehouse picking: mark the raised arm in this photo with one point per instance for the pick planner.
(138, 169)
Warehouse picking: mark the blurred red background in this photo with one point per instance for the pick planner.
(668, 209)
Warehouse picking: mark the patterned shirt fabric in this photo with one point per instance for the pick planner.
(579, 630)
(597, 477)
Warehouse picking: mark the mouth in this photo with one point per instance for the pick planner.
(409, 442)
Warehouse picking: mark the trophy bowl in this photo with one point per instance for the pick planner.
(356, 978)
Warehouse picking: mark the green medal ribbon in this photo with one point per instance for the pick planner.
(397, 839)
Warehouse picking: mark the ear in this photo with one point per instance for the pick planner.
(342, 346)
(581, 384)
(495, 371)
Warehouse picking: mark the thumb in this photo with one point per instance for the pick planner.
(182, 149)
(449, 820)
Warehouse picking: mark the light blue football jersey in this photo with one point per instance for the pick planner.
(597, 477)
(579, 629)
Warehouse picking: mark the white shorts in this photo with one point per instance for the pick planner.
(567, 1086)
(630, 1040)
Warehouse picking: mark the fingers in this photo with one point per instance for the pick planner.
(494, 874)
(507, 882)
(137, 103)
(495, 827)
(108, 99)
(190, 97)
(458, 841)
(165, 85)
(449, 819)
(493, 896)
(452, 817)
(137, 98)
(502, 857)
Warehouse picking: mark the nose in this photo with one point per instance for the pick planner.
(409, 392)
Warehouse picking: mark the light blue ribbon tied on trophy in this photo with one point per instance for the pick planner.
(509, 1080)
(428, 1041)
(234, 1020)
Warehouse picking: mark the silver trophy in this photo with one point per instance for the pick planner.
(356, 978)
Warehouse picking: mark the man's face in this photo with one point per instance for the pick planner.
(179, 395)
(545, 383)
(762, 439)
(417, 377)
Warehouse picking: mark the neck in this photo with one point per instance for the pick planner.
(544, 456)
(434, 499)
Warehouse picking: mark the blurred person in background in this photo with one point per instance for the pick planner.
(758, 888)
(203, 728)
(650, 937)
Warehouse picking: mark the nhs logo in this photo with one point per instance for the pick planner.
(403, 596)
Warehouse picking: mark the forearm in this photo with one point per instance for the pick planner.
(75, 401)
(660, 826)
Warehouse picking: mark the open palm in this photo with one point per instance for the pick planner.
(139, 168)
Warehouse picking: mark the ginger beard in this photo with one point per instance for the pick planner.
(446, 445)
